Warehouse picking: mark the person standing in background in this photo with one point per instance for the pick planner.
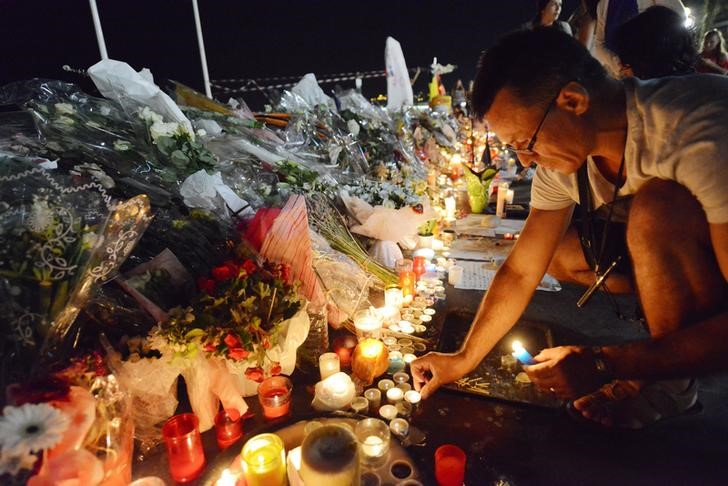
(609, 15)
(713, 57)
(548, 16)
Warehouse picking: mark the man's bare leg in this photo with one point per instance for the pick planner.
(569, 265)
(678, 282)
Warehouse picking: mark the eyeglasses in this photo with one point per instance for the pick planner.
(528, 151)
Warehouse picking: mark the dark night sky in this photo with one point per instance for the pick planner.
(252, 38)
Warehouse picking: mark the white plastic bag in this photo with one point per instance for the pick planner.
(399, 89)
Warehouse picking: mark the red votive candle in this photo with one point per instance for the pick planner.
(184, 447)
(228, 427)
(449, 465)
(274, 395)
(344, 346)
(418, 265)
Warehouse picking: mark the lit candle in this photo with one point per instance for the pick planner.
(418, 265)
(368, 324)
(520, 353)
(329, 364)
(400, 378)
(412, 397)
(227, 478)
(407, 281)
(395, 395)
(334, 393)
(344, 347)
(264, 461)
(372, 446)
(501, 197)
(389, 340)
(509, 196)
(373, 436)
(409, 357)
(389, 313)
(393, 297)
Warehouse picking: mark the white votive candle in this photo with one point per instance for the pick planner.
(395, 395)
(393, 297)
(374, 396)
(412, 397)
(409, 357)
(360, 405)
(400, 377)
(455, 275)
(385, 384)
(388, 412)
(329, 364)
(425, 318)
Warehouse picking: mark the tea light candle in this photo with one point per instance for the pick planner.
(264, 461)
(329, 363)
(385, 384)
(425, 318)
(400, 378)
(389, 340)
(412, 397)
(406, 327)
(455, 275)
(395, 395)
(388, 412)
(393, 297)
(420, 347)
(408, 349)
(404, 342)
(429, 311)
(404, 409)
(520, 353)
(360, 405)
(374, 396)
(405, 387)
(399, 427)
(389, 313)
(409, 357)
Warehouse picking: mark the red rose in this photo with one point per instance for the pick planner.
(249, 266)
(286, 272)
(222, 273)
(206, 285)
(266, 344)
(234, 267)
(254, 374)
(275, 369)
(210, 348)
(232, 341)
(238, 354)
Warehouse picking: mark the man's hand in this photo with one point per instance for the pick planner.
(567, 371)
(435, 369)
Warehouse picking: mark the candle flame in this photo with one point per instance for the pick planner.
(517, 346)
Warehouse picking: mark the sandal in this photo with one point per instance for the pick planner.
(635, 405)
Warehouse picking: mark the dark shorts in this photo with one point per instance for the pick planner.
(616, 239)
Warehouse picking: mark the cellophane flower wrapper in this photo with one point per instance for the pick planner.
(60, 239)
(152, 386)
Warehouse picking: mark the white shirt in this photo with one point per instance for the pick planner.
(600, 51)
(677, 129)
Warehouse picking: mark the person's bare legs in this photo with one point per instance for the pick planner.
(569, 265)
(678, 280)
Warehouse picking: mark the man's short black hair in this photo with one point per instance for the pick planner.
(535, 64)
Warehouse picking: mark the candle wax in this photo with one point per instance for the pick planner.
(278, 405)
(265, 467)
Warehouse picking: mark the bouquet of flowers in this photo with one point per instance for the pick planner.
(72, 425)
(247, 324)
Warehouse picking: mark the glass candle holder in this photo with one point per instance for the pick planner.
(393, 297)
(418, 265)
(395, 395)
(186, 457)
(360, 405)
(329, 364)
(374, 396)
(400, 377)
(385, 384)
(228, 427)
(450, 465)
(407, 281)
(373, 438)
(404, 265)
(388, 412)
(368, 324)
(344, 346)
(264, 461)
(399, 427)
(405, 387)
(274, 395)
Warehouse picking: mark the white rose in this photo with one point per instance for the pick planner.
(161, 129)
(150, 116)
(388, 204)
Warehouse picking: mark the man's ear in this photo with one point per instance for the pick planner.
(574, 98)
